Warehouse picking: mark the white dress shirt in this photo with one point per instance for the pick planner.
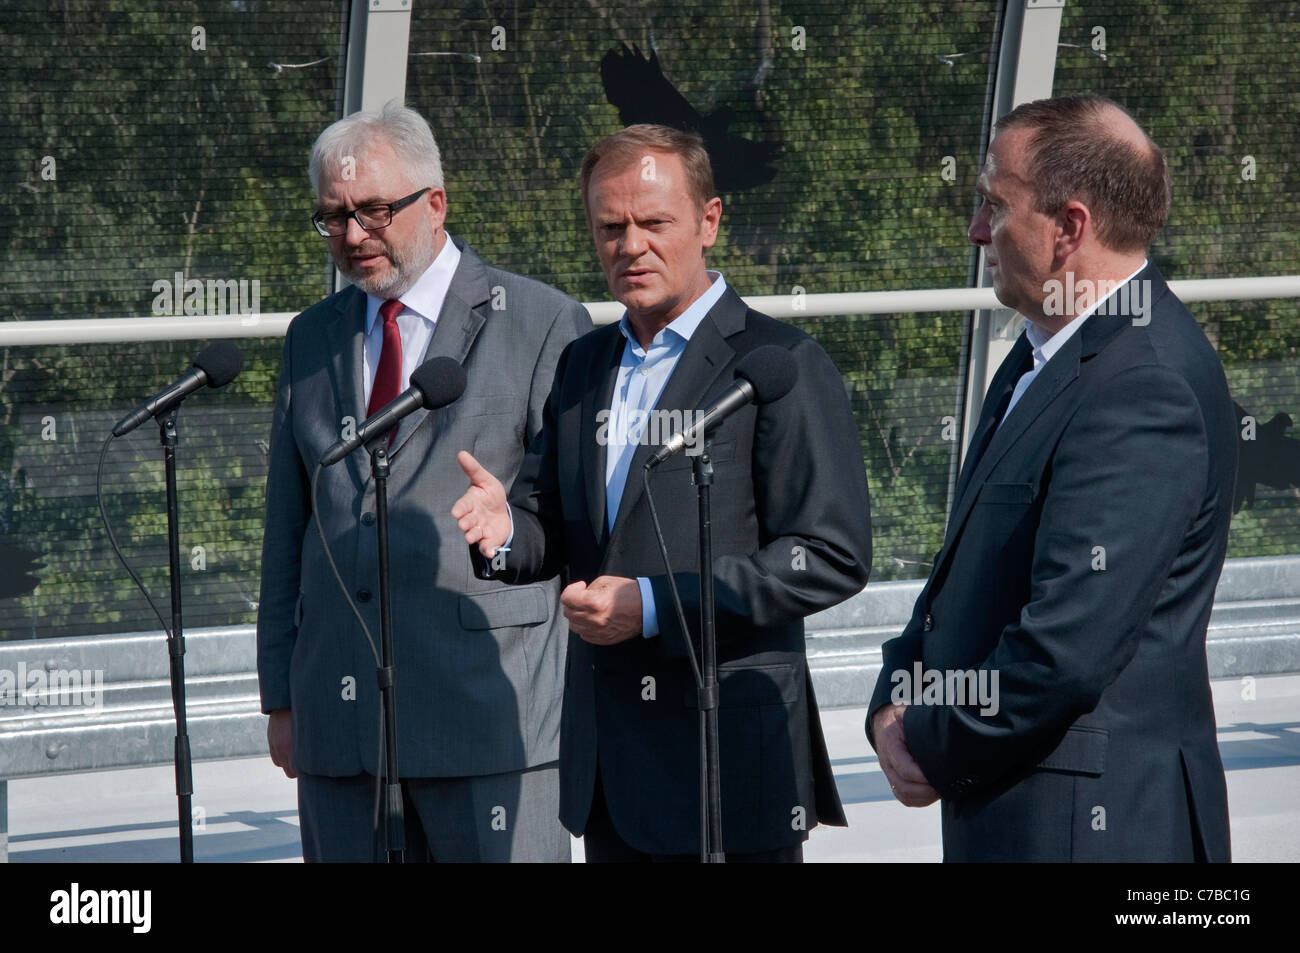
(421, 305)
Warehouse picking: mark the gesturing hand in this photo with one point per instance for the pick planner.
(905, 777)
(481, 513)
(604, 613)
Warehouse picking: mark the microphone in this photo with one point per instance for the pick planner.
(763, 375)
(216, 366)
(435, 383)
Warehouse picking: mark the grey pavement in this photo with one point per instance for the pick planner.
(246, 809)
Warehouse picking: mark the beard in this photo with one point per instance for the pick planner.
(406, 264)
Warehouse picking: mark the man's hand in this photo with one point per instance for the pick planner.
(279, 738)
(606, 612)
(901, 770)
(481, 513)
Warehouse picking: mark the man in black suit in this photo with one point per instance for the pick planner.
(1089, 526)
(791, 531)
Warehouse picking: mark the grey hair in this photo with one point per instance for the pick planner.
(400, 126)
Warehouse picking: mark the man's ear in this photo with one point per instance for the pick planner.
(709, 222)
(1074, 225)
(437, 207)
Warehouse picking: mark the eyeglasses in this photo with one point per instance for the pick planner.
(369, 217)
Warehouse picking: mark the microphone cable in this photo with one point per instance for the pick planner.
(112, 538)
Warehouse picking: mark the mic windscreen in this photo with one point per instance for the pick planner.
(221, 361)
(441, 380)
(771, 370)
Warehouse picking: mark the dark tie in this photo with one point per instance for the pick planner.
(989, 423)
(388, 376)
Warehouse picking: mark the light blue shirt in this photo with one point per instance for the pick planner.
(642, 375)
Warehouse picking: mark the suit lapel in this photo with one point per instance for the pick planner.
(599, 392)
(697, 370)
(343, 342)
(1016, 363)
(459, 323)
(1061, 371)
(1054, 377)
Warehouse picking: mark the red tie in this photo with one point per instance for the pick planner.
(388, 377)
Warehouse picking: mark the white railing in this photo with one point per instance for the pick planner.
(202, 327)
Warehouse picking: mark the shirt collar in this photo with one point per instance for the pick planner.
(684, 325)
(1045, 345)
(426, 296)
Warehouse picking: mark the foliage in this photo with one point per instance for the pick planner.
(173, 158)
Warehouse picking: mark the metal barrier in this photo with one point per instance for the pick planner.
(201, 327)
(1254, 629)
(97, 703)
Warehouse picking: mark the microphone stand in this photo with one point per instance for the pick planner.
(176, 642)
(708, 693)
(394, 816)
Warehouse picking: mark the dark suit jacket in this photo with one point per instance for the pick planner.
(1080, 565)
(792, 536)
(479, 664)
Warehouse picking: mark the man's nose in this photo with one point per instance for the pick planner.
(978, 232)
(634, 242)
(355, 234)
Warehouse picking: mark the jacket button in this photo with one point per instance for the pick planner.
(363, 595)
(367, 519)
(928, 625)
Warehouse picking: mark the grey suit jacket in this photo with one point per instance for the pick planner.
(479, 664)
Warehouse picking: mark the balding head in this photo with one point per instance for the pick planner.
(1087, 148)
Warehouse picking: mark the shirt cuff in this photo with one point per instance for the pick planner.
(649, 617)
(511, 538)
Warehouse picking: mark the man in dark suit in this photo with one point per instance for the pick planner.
(791, 528)
(479, 664)
(1089, 526)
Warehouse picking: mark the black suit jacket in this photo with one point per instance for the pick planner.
(1079, 565)
(792, 536)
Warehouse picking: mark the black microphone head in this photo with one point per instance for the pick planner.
(771, 371)
(221, 361)
(441, 380)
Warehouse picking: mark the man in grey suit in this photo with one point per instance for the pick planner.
(480, 665)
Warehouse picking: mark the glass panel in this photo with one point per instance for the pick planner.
(876, 113)
(160, 161)
(1216, 88)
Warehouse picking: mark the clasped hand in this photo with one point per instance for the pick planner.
(905, 777)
